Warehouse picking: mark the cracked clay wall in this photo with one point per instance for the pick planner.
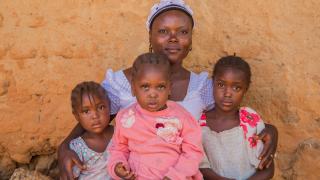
(46, 47)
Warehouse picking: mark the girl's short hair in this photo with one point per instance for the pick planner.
(88, 88)
(156, 59)
(234, 62)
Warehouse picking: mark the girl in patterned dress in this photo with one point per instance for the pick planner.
(154, 138)
(229, 137)
(90, 107)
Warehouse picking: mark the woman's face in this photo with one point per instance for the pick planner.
(171, 34)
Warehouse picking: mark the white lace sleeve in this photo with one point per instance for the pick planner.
(206, 91)
(112, 92)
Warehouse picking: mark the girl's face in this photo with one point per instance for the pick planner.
(151, 86)
(229, 88)
(93, 114)
(171, 34)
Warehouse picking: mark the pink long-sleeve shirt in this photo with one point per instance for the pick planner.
(157, 144)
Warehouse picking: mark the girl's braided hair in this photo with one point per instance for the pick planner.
(233, 62)
(88, 88)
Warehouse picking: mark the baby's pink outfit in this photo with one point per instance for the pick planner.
(157, 144)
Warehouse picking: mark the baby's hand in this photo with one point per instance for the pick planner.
(123, 173)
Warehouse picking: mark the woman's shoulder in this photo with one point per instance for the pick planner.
(115, 80)
(114, 75)
(199, 80)
(201, 75)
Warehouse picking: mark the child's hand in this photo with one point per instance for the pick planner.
(122, 172)
(166, 178)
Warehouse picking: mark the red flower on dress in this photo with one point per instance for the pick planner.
(159, 125)
(251, 118)
(253, 142)
(245, 130)
(169, 128)
(203, 120)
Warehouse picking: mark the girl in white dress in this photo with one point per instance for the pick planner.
(229, 139)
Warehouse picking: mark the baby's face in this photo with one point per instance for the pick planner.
(93, 114)
(151, 86)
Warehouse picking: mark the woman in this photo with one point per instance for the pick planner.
(170, 26)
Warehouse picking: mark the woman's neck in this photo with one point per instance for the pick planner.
(177, 69)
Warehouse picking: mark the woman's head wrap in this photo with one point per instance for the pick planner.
(165, 5)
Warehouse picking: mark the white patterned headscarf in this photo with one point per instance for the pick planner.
(165, 5)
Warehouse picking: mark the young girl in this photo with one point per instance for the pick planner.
(229, 137)
(90, 106)
(154, 138)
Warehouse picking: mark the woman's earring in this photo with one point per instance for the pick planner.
(190, 49)
(150, 48)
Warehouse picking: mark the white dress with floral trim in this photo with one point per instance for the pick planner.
(95, 162)
(199, 95)
(233, 153)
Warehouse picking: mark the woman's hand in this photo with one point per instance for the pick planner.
(66, 160)
(265, 174)
(269, 136)
(123, 173)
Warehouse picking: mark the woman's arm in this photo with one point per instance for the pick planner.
(269, 136)
(264, 174)
(68, 158)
